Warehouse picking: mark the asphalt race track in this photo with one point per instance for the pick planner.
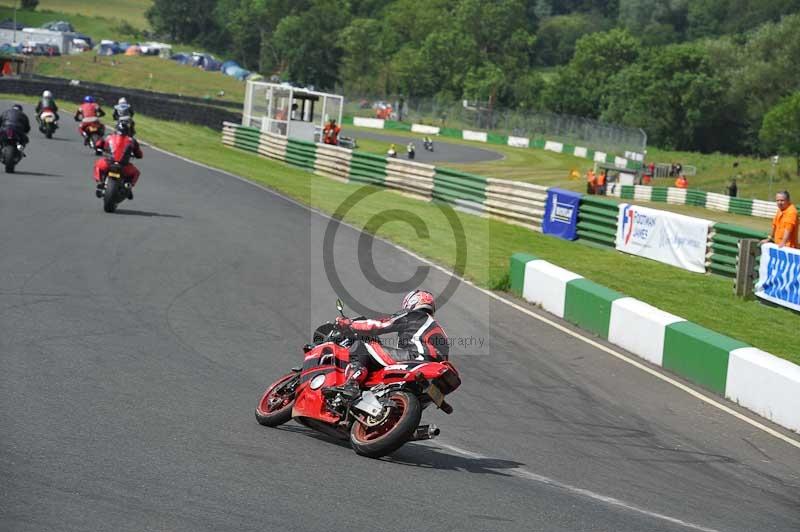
(443, 151)
(134, 346)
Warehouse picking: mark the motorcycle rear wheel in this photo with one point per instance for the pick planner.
(8, 158)
(280, 411)
(110, 195)
(93, 139)
(396, 429)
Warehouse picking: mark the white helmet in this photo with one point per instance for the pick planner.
(47, 94)
(122, 101)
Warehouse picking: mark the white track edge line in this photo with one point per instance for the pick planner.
(525, 474)
(570, 332)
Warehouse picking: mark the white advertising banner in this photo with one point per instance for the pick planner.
(519, 142)
(779, 276)
(422, 128)
(663, 236)
(376, 123)
(474, 135)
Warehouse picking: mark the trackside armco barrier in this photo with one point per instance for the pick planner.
(709, 200)
(512, 201)
(764, 383)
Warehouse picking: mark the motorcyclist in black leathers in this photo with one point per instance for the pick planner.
(420, 337)
(17, 120)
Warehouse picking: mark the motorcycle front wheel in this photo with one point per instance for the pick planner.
(392, 432)
(275, 406)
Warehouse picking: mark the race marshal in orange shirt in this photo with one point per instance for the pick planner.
(784, 224)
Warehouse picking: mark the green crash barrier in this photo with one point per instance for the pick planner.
(695, 197)
(246, 138)
(724, 247)
(740, 206)
(588, 305)
(597, 220)
(659, 194)
(450, 185)
(699, 354)
(626, 192)
(517, 271)
(368, 168)
(398, 126)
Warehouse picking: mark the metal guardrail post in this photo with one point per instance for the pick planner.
(744, 282)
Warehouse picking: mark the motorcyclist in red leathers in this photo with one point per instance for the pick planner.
(119, 147)
(420, 337)
(89, 112)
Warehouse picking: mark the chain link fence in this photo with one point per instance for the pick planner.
(568, 129)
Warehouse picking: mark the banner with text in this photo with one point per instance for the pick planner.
(779, 276)
(663, 236)
(561, 213)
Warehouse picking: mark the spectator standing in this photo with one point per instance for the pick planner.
(733, 190)
(591, 181)
(784, 224)
(682, 182)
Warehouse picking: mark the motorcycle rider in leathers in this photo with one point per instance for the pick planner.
(16, 119)
(120, 147)
(46, 103)
(88, 112)
(124, 111)
(420, 337)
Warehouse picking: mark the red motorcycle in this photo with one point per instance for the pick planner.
(383, 418)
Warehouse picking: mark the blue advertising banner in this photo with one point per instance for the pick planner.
(779, 276)
(561, 213)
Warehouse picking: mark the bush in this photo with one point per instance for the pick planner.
(30, 4)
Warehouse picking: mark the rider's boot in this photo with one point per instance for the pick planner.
(129, 190)
(351, 388)
(99, 190)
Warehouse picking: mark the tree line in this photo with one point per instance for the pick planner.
(694, 74)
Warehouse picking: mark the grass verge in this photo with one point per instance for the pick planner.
(96, 27)
(143, 72)
(704, 299)
(131, 11)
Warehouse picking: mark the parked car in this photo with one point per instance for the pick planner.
(8, 24)
(59, 25)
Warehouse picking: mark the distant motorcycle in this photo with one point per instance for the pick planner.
(427, 143)
(48, 123)
(11, 150)
(92, 133)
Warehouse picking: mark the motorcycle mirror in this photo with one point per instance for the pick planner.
(339, 306)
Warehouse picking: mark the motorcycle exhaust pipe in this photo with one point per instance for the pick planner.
(425, 432)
